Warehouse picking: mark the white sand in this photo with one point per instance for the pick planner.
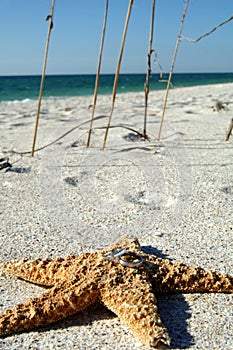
(175, 195)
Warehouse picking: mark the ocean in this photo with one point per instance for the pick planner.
(21, 88)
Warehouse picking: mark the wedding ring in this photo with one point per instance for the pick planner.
(128, 254)
(132, 259)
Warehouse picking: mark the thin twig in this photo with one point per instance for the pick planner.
(150, 51)
(172, 67)
(61, 137)
(229, 131)
(76, 127)
(118, 71)
(125, 127)
(208, 33)
(156, 62)
(50, 18)
(98, 73)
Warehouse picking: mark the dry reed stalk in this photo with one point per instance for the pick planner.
(98, 73)
(50, 18)
(150, 51)
(118, 71)
(229, 131)
(172, 66)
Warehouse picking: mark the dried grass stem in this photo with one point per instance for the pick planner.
(50, 19)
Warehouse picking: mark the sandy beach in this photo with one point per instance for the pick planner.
(175, 195)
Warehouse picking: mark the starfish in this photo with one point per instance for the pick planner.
(123, 277)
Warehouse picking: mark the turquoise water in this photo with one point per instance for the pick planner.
(18, 88)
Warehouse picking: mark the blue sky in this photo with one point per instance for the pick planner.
(77, 30)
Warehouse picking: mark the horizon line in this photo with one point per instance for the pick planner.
(123, 73)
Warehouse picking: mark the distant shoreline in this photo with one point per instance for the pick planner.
(88, 74)
(20, 88)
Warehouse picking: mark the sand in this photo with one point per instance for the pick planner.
(175, 195)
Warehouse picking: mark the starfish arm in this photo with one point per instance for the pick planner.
(135, 304)
(178, 277)
(43, 272)
(61, 301)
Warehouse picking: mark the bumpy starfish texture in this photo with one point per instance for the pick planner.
(78, 281)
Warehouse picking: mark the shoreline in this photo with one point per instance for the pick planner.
(175, 195)
(141, 94)
(83, 85)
